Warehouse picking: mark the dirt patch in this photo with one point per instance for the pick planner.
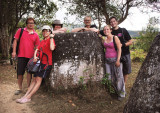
(80, 101)
(8, 86)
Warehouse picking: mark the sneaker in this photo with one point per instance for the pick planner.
(24, 100)
(17, 92)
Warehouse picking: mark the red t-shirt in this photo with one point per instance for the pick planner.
(27, 43)
(44, 47)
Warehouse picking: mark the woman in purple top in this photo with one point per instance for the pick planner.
(113, 65)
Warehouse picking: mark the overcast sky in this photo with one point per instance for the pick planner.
(135, 21)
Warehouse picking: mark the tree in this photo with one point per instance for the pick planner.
(154, 4)
(101, 10)
(12, 11)
(147, 35)
(150, 6)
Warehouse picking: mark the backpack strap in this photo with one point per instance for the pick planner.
(47, 60)
(123, 34)
(11, 47)
(115, 46)
(22, 29)
(42, 57)
(18, 42)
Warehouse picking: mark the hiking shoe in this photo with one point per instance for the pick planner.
(24, 100)
(125, 93)
(17, 92)
(120, 98)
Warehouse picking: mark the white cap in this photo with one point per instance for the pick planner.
(46, 27)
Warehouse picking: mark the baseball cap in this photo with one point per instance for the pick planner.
(46, 27)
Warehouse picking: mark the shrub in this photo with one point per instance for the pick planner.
(107, 82)
(138, 55)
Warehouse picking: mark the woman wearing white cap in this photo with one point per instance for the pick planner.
(46, 47)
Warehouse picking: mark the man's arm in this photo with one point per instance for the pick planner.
(14, 47)
(37, 42)
(127, 37)
(128, 43)
(92, 29)
(77, 29)
(35, 56)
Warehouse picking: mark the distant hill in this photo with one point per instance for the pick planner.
(134, 33)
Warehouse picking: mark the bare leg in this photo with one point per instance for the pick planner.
(20, 80)
(125, 78)
(35, 88)
(31, 87)
(29, 77)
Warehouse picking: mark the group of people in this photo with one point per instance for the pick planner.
(29, 46)
(116, 41)
(118, 62)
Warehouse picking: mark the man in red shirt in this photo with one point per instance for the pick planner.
(28, 43)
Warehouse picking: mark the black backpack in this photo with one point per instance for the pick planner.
(34, 67)
(18, 42)
(11, 47)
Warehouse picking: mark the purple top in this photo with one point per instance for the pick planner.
(110, 50)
